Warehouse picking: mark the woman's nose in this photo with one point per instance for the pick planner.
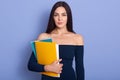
(59, 18)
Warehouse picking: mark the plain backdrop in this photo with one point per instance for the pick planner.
(98, 21)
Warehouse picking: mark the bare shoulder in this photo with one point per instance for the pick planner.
(79, 39)
(43, 36)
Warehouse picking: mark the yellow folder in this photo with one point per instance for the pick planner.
(47, 53)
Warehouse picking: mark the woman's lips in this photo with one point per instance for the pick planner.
(59, 23)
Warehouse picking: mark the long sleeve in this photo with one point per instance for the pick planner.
(33, 65)
(79, 52)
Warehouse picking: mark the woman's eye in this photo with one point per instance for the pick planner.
(64, 14)
(55, 14)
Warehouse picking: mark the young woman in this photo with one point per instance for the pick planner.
(71, 45)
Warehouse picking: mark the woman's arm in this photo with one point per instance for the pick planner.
(33, 65)
(79, 62)
(79, 53)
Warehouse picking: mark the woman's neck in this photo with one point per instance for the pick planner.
(60, 31)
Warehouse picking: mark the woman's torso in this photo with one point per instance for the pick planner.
(67, 43)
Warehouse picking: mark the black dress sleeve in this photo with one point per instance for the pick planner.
(79, 51)
(33, 65)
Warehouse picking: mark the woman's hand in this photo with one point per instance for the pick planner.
(55, 67)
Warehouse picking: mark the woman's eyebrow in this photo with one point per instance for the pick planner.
(60, 13)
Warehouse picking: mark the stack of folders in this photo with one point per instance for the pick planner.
(46, 52)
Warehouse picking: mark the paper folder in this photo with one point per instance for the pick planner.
(33, 44)
(46, 53)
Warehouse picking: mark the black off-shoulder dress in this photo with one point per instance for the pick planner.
(67, 53)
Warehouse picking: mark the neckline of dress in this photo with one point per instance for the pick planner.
(69, 45)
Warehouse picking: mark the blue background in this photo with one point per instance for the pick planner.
(21, 21)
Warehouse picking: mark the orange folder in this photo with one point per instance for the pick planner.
(47, 53)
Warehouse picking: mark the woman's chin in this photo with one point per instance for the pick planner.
(60, 26)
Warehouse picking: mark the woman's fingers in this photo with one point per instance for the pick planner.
(56, 66)
(58, 61)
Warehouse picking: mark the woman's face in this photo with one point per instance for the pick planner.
(60, 17)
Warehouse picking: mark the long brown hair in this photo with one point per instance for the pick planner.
(51, 24)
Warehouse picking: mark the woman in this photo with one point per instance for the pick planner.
(70, 45)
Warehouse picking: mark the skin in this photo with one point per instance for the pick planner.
(61, 36)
